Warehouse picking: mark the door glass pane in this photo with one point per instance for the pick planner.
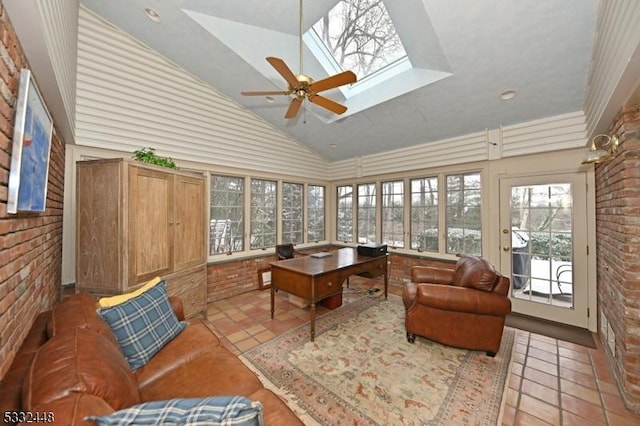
(542, 244)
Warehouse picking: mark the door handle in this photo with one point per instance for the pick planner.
(507, 248)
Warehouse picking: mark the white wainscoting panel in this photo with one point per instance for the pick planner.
(460, 150)
(564, 131)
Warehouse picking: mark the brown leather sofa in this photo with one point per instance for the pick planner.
(463, 307)
(70, 365)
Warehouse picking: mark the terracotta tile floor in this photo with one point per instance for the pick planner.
(552, 382)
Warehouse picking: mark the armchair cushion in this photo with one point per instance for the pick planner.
(460, 299)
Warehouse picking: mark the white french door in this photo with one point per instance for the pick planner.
(543, 225)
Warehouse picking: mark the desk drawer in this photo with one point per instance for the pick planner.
(328, 284)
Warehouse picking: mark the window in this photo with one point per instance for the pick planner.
(344, 214)
(227, 215)
(464, 225)
(424, 214)
(315, 213)
(393, 213)
(263, 213)
(367, 213)
(292, 216)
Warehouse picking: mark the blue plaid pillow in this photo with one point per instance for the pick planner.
(216, 410)
(143, 325)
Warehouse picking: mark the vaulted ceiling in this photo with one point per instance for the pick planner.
(540, 49)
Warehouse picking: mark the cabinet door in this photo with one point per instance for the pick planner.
(189, 238)
(151, 224)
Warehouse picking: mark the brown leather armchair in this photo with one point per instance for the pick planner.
(464, 307)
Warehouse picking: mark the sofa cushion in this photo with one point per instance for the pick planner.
(106, 302)
(82, 361)
(194, 340)
(218, 410)
(78, 310)
(216, 372)
(143, 325)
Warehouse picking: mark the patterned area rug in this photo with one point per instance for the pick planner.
(361, 370)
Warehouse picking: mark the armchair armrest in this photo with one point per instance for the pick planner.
(462, 299)
(432, 274)
(176, 306)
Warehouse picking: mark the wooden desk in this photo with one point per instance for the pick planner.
(316, 278)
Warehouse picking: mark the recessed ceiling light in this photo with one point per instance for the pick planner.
(152, 14)
(507, 95)
(269, 99)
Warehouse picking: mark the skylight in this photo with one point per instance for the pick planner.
(358, 35)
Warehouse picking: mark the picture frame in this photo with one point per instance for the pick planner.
(264, 278)
(31, 150)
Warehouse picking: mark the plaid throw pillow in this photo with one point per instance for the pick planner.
(143, 325)
(218, 410)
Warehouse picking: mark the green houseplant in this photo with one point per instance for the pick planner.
(148, 155)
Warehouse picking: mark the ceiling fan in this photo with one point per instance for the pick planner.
(301, 87)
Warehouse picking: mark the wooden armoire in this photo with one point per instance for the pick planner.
(136, 221)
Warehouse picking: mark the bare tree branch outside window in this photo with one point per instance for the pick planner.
(360, 36)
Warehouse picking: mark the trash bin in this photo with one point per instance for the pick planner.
(520, 258)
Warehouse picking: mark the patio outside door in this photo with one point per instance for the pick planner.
(544, 244)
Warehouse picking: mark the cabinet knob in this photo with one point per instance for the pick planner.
(329, 284)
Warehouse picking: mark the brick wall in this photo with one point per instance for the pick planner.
(30, 244)
(618, 254)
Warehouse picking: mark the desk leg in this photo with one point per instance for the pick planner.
(273, 297)
(313, 321)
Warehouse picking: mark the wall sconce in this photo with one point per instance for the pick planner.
(603, 148)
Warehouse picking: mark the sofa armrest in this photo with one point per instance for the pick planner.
(432, 274)
(176, 306)
(462, 299)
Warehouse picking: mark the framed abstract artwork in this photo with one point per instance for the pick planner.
(31, 149)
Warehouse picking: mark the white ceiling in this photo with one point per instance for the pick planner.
(540, 48)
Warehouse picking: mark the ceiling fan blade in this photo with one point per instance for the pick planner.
(284, 70)
(327, 103)
(293, 109)
(336, 80)
(265, 93)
